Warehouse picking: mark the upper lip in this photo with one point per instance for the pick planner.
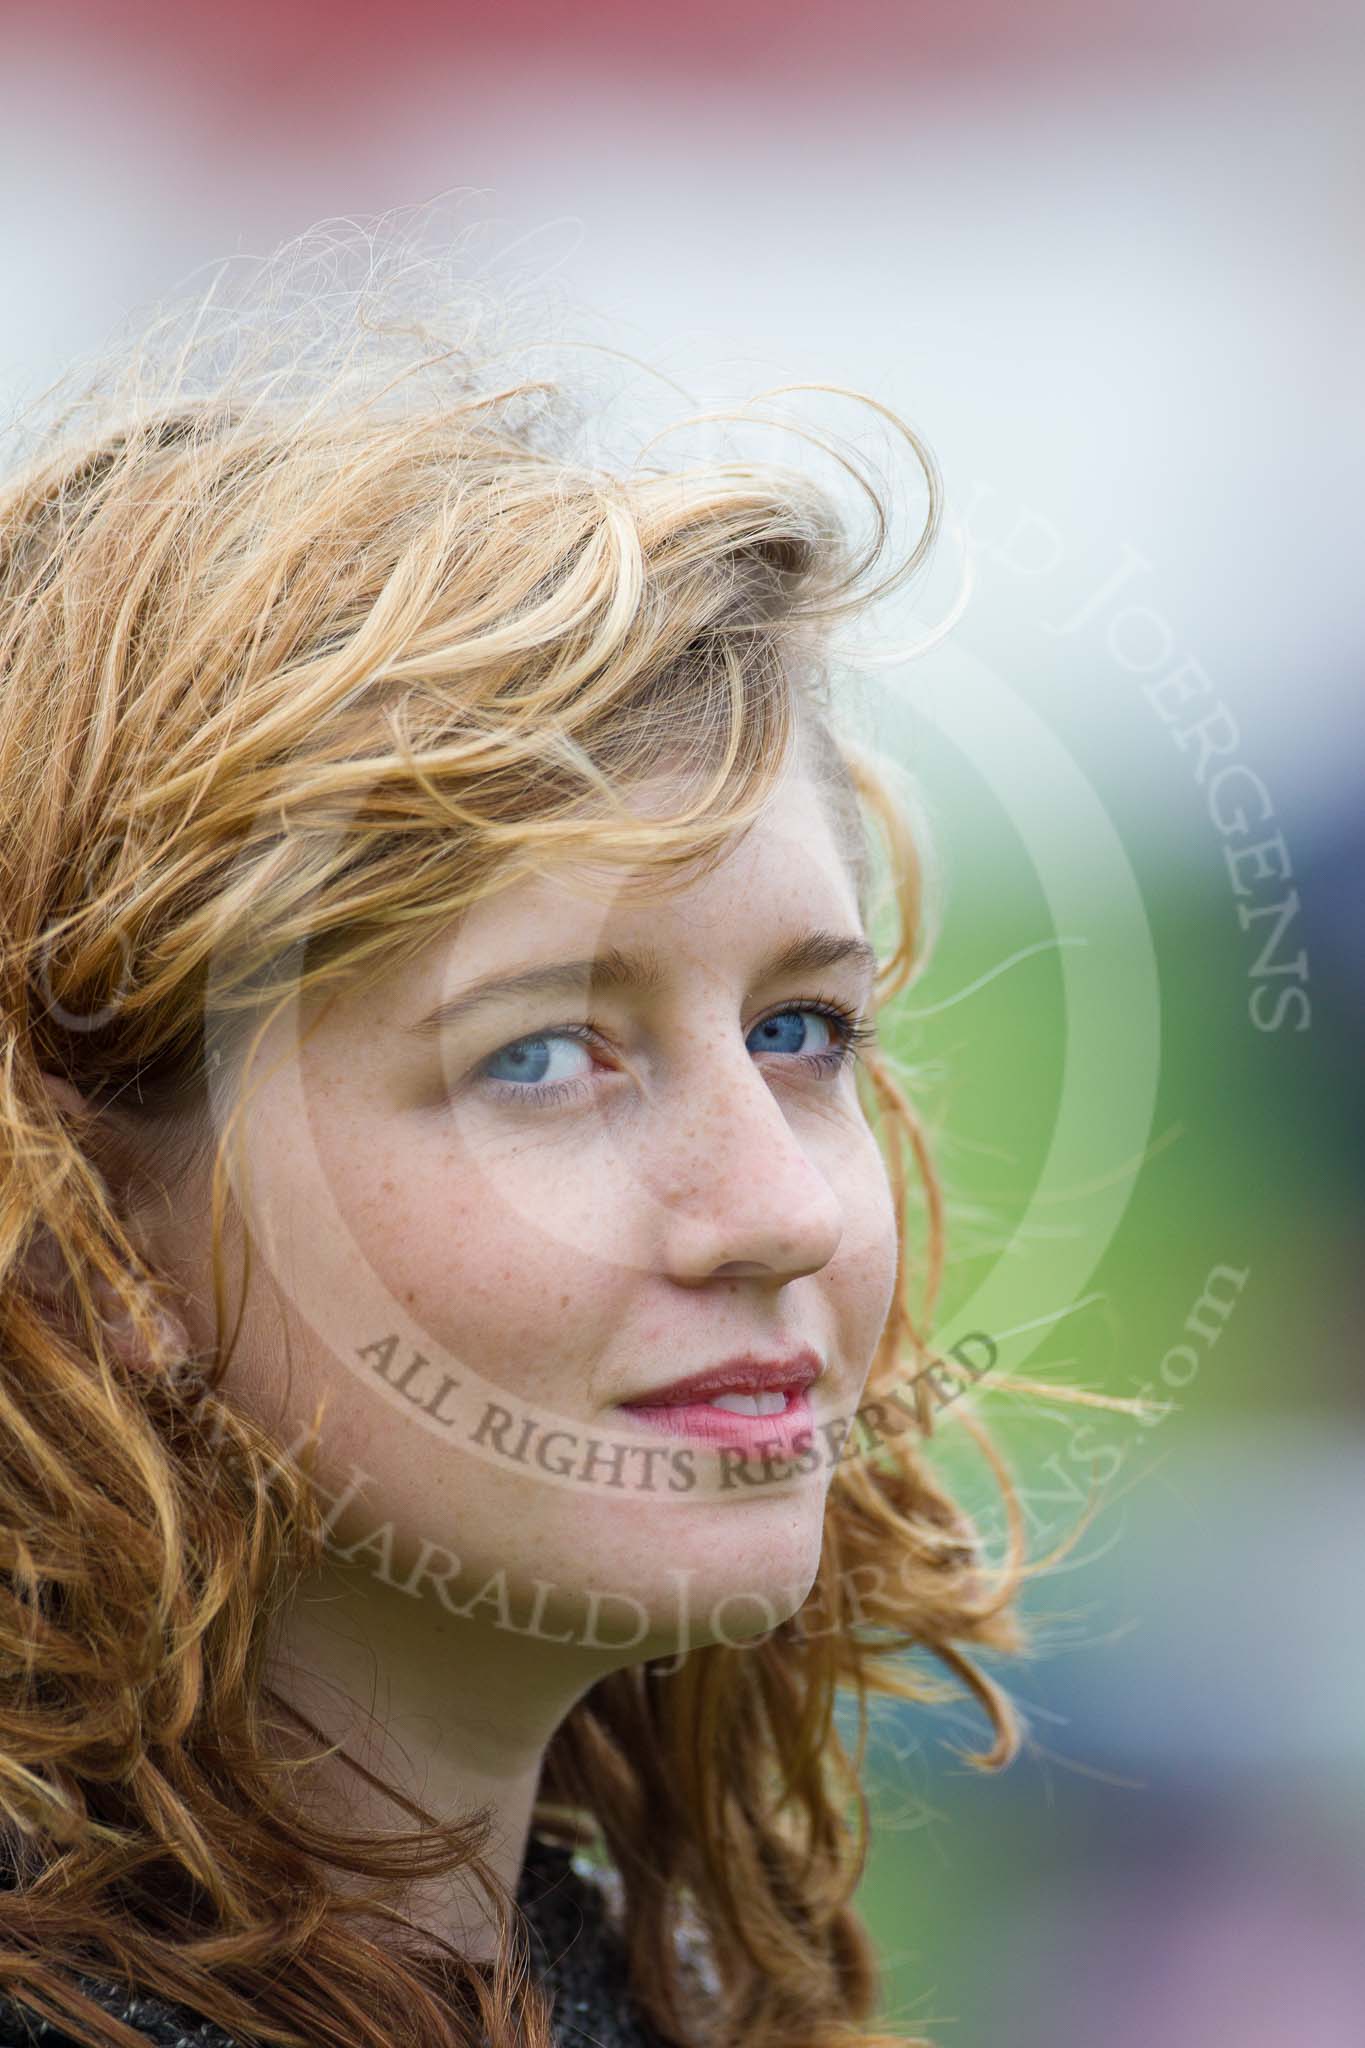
(748, 1372)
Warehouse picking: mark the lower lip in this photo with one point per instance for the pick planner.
(781, 1433)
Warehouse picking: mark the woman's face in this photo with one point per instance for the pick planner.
(478, 1239)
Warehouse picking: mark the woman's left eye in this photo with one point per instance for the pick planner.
(529, 1062)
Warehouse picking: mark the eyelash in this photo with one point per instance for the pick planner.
(855, 1034)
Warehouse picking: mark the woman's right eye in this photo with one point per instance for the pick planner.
(531, 1072)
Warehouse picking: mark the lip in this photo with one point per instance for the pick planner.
(681, 1408)
(747, 1372)
(789, 1432)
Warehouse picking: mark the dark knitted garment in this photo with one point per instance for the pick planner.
(577, 1953)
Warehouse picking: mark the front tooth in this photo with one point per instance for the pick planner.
(750, 1404)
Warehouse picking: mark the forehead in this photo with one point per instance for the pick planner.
(779, 900)
(790, 866)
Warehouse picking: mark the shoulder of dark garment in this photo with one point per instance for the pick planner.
(573, 1913)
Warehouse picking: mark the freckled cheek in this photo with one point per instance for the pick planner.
(866, 1265)
(479, 1264)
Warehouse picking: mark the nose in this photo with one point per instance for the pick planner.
(742, 1193)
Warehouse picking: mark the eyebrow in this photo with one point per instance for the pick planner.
(641, 971)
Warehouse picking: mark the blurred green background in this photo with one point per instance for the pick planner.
(1176, 1853)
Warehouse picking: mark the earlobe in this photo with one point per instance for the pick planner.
(170, 1341)
(64, 1093)
(46, 1273)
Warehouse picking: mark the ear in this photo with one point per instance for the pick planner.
(47, 1272)
(62, 1092)
(101, 1137)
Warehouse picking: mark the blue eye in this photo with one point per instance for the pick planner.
(527, 1061)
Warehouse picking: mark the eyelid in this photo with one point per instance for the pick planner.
(856, 1023)
(859, 1018)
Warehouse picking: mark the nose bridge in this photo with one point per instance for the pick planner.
(743, 1190)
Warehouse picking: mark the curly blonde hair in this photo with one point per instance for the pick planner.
(309, 630)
